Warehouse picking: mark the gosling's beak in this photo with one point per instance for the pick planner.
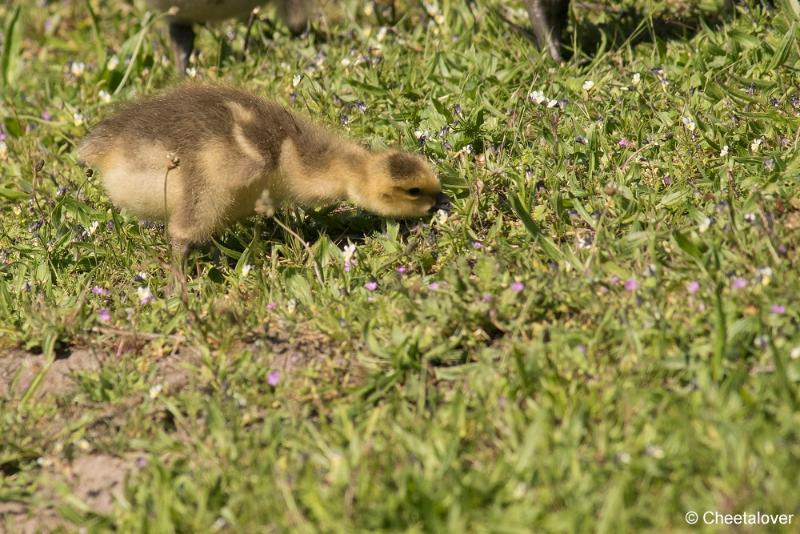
(442, 203)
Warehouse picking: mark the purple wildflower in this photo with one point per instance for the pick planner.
(517, 287)
(624, 142)
(433, 286)
(99, 290)
(46, 115)
(631, 284)
(487, 297)
(372, 285)
(141, 461)
(104, 315)
(693, 287)
(666, 180)
(271, 306)
(738, 283)
(273, 378)
(477, 245)
(402, 269)
(778, 309)
(614, 280)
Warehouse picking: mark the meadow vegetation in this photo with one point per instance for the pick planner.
(601, 334)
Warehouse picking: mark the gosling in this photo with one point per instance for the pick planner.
(294, 13)
(201, 157)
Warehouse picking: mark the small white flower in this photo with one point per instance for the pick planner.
(795, 353)
(141, 275)
(636, 78)
(688, 122)
(537, 97)
(705, 224)
(112, 63)
(155, 390)
(756, 144)
(104, 96)
(145, 295)
(191, 72)
(77, 118)
(346, 62)
(291, 305)
(655, 451)
(441, 217)
(381, 35)
(246, 269)
(764, 275)
(587, 85)
(296, 79)
(552, 103)
(724, 151)
(93, 227)
(348, 252)
(77, 68)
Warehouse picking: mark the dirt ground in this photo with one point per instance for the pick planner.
(96, 479)
(93, 480)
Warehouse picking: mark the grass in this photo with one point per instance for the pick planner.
(602, 334)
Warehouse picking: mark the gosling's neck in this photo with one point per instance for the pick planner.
(339, 175)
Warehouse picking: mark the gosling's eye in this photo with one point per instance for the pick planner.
(414, 191)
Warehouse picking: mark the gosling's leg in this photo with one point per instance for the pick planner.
(180, 251)
(182, 36)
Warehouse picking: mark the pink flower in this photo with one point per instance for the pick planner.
(477, 245)
(631, 284)
(104, 315)
(624, 143)
(517, 287)
(273, 378)
(98, 290)
(402, 269)
(372, 285)
(271, 306)
(693, 287)
(487, 297)
(778, 309)
(433, 286)
(738, 283)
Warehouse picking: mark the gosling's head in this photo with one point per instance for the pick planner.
(400, 185)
